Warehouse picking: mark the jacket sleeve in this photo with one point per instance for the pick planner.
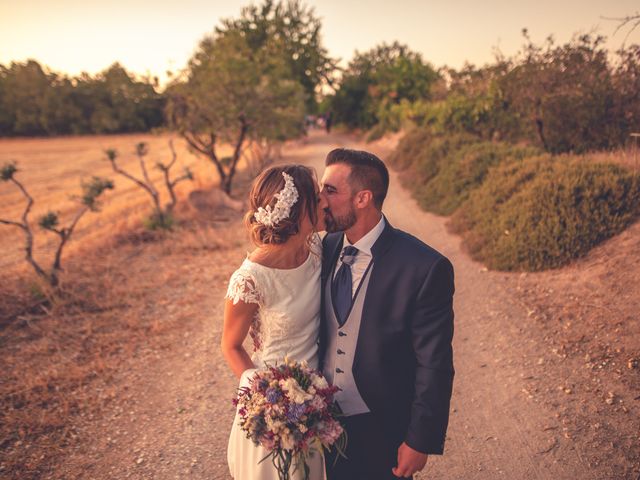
(432, 333)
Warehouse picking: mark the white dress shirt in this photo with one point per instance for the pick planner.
(364, 256)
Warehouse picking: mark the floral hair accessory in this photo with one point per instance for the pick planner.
(287, 198)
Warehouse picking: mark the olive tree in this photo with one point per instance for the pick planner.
(234, 94)
(88, 201)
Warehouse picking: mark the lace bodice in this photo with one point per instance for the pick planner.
(288, 318)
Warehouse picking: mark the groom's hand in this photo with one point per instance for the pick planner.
(410, 461)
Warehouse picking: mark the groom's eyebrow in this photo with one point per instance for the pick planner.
(329, 187)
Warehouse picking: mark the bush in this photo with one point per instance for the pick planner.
(464, 171)
(409, 147)
(157, 221)
(501, 183)
(422, 155)
(395, 117)
(544, 211)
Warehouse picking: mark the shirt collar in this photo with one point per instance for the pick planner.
(365, 243)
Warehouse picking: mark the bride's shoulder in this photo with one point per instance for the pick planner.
(316, 244)
(246, 283)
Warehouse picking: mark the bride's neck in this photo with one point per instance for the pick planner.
(290, 254)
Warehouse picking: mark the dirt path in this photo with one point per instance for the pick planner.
(171, 409)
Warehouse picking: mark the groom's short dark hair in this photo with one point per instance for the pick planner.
(368, 172)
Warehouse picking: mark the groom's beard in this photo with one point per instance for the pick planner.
(339, 224)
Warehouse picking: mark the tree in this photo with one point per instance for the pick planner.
(292, 31)
(119, 103)
(376, 80)
(565, 93)
(88, 202)
(161, 217)
(35, 101)
(24, 87)
(626, 84)
(234, 94)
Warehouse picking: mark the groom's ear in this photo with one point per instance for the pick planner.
(363, 198)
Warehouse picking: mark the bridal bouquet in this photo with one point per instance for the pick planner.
(290, 411)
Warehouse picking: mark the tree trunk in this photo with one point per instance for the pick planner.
(225, 185)
(244, 128)
(540, 128)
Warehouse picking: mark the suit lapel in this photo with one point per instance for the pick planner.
(384, 241)
(372, 294)
(331, 251)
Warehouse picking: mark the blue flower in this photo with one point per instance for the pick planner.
(295, 412)
(273, 395)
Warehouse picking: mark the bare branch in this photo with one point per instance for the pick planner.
(173, 154)
(65, 234)
(170, 184)
(141, 151)
(8, 174)
(206, 148)
(633, 21)
(117, 169)
(9, 222)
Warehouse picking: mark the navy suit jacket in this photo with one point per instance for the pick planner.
(403, 365)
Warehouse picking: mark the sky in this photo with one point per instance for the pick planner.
(152, 37)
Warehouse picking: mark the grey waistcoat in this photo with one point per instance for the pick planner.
(341, 348)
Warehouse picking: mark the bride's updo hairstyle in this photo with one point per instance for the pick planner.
(263, 191)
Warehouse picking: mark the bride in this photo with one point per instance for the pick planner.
(274, 297)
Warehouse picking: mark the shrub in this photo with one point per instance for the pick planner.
(422, 155)
(465, 170)
(155, 221)
(544, 211)
(409, 147)
(501, 183)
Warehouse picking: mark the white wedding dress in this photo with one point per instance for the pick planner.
(287, 324)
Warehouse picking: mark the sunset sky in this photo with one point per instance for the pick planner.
(72, 36)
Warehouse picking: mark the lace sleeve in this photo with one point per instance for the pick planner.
(243, 286)
(316, 245)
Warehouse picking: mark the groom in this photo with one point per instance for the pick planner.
(387, 327)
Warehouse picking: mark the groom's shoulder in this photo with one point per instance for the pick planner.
(414, 248)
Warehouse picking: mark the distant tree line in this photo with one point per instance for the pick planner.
(572, 97)
(253, 79)
(34, 101)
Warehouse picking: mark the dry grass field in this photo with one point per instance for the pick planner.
(51, 170)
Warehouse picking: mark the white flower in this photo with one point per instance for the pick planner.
(293, 391)
(273, 425)
(287, 198)
(319, 382)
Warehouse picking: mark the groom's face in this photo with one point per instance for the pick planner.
(340, 212)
